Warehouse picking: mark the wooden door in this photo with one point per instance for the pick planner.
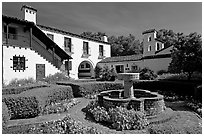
(40, 71)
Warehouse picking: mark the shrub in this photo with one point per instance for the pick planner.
(160, 72)
(60, 107)
(18, 90)
(5, 115)
(65, 126)
(50, 95)
(107, 74)
(20, 82)
(22, 107)
(56, 77)
(30, 103)
(97, 71)
(147, 74)
(120, 118)
(91, 88)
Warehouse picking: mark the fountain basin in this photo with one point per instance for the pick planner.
(150, 103)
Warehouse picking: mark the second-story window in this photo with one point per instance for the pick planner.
(101, 51)
(51, 36)
(149, 38)
(67, 44)
(86, 48)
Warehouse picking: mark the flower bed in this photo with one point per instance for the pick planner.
(59, 107)
(118, 118)
(64, 126)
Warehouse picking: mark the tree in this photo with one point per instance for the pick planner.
(187, 54)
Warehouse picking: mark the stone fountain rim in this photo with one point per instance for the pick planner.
(158, 96)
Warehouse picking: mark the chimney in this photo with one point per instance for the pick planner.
(105, 38)
(29, 13)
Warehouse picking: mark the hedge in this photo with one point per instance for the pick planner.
(81, 89)
(5, 115)
(18, 90)
(22, 107)
(183, 88)
(30, 103)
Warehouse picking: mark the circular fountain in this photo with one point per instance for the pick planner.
(150, 103)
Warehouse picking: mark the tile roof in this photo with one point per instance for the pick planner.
(69, 33)
(29, 7)
(39, 34)
(149, 31)
(122, 58)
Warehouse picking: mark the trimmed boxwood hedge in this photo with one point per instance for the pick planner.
(183, 88)
(81, 89)
(30, 103)
(22, 107)
(18, 90)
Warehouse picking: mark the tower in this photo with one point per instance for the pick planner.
(30, 13)
(149, 42)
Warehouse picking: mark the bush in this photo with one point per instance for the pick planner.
(147, 74)
(5, 115)
(22, 107)
(91, 88)
(64, 126)
(60, 107)
(119, 118)
(50, 95)
(18, 90)
(56, 77)
(21, 104)
(160, 72)
(97, 71)
(20, 82)
(107, 74)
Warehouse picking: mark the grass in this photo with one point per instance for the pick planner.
(183, 122)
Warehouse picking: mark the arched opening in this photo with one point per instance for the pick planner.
(85, 70)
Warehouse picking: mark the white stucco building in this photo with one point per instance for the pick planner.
(34, 51)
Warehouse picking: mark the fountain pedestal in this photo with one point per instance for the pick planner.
(128, 83)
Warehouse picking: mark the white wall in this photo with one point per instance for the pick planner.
(33, 59)
(78, 51)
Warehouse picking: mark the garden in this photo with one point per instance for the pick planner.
(59, 105)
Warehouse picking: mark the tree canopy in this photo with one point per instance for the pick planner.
(186, 54)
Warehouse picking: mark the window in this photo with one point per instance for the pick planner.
(87, 65)
(127, 65)
(157, 47)
(162, 46)
(149, 48)
(82, 66)
(149, 38)
(67, 44)
(85, 48)
(12, 32)
(26, 10)
(51, 36)
(18, 63)
(101, 51)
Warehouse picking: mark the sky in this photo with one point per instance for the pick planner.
(114, 18)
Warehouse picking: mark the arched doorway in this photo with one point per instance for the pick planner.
(85, 70)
